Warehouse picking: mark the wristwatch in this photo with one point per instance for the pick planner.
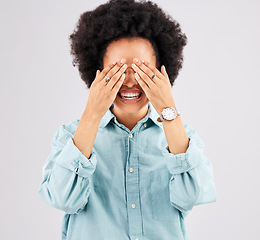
(169, 114)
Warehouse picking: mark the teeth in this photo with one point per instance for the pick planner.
(130, 95)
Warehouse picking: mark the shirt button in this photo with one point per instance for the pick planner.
(133, 205)
(137, 239)
(145, 124)
(131, 169)
(131, 135)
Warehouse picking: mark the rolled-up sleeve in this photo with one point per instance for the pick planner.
(66, 174)
(192, 180)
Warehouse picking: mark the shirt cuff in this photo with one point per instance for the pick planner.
(183, 162)
(73, 159)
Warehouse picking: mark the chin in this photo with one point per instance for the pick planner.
(131, 107)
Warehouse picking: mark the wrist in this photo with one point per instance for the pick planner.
(91, 116)
(169, 104)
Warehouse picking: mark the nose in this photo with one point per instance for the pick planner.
(130, 80)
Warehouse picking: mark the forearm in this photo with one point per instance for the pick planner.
(176, 135)
(86, 132)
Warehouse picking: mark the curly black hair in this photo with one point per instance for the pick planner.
(126, 18)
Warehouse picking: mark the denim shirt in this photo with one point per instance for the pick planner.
(131, 187)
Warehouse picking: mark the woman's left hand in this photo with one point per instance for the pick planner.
(158, 90)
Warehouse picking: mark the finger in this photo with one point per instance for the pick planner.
(105, 71)
(114, 69)
(144, 76)
(163, 70)
(144, 72)
(143, 84)
(154, 69)
(114, 78)
(118, 84)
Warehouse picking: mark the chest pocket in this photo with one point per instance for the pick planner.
(160, 196)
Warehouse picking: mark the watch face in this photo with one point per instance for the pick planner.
(169, 113)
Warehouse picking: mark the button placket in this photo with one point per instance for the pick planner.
(132, 188)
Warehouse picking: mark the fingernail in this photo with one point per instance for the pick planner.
(122, 60)
(135, 60)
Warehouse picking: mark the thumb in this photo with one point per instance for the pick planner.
(163, 70)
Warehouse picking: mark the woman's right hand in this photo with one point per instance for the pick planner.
(101, 93)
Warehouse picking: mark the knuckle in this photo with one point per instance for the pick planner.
(113, 78)
(111, 75)
(106, 69)
(117, 75)
(102, 74)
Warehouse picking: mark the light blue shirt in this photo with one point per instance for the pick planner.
(131, 187)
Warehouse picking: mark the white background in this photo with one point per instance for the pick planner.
(217, 92)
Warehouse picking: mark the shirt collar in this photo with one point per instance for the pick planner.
(152, 114)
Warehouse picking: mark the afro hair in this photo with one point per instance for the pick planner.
(126, 18)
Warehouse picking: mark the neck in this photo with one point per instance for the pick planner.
(129, 120)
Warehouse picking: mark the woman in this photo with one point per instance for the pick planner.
(129, 168)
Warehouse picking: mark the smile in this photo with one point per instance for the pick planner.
(130, 97)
